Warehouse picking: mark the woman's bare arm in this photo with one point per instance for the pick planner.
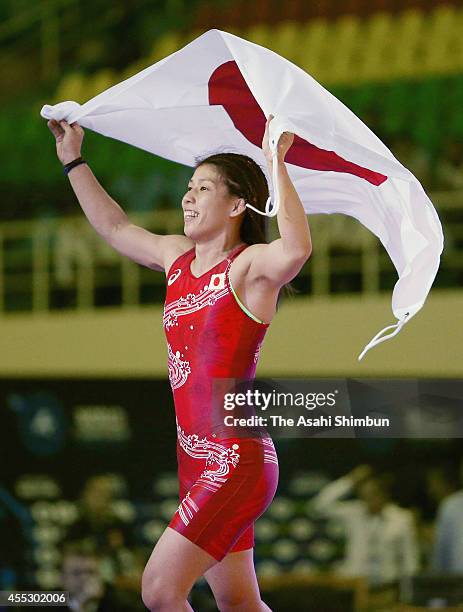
(278, 262)
(113, 225)
(106, 216)
(151, 250)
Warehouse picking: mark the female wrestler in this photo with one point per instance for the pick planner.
(223, 281)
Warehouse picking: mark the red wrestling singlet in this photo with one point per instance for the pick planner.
(225, 483)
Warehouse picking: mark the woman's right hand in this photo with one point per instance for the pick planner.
(68, 139)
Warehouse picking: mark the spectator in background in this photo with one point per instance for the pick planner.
(381, 542)
(448, 546)
(441, 481)
(98, 522)
(82, 577)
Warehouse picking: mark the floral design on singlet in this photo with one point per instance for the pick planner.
(219, 458)
(179, 369)
(193, 302)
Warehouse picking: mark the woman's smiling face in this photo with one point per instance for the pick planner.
(207, 204)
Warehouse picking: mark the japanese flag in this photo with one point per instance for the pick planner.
(215, 94)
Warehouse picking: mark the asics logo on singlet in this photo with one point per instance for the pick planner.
(173, 277)
(217, 282)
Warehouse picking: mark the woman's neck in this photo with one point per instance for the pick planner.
(207, 254)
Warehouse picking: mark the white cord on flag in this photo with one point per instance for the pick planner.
(376, 340)
(276, 129)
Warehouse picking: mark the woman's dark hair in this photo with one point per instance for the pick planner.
(244, 178)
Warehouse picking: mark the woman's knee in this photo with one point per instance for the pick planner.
(158, 592)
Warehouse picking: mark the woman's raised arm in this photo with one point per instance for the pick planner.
(105, 215)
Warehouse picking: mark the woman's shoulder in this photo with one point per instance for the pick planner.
(176, 247)
(251, 250)
(243, 259)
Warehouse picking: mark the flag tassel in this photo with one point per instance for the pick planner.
(377, 340)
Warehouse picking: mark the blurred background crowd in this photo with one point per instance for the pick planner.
(388, 527)
(87, 473)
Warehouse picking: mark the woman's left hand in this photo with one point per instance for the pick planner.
(285, 142)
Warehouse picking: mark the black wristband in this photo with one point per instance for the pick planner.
(72, 164)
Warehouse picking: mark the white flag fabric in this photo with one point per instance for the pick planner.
(215, 94)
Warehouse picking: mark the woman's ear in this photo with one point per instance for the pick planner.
(239, 207)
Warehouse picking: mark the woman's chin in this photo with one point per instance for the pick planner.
(190, 232)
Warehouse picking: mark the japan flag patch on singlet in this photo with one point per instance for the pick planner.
(217, 282)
